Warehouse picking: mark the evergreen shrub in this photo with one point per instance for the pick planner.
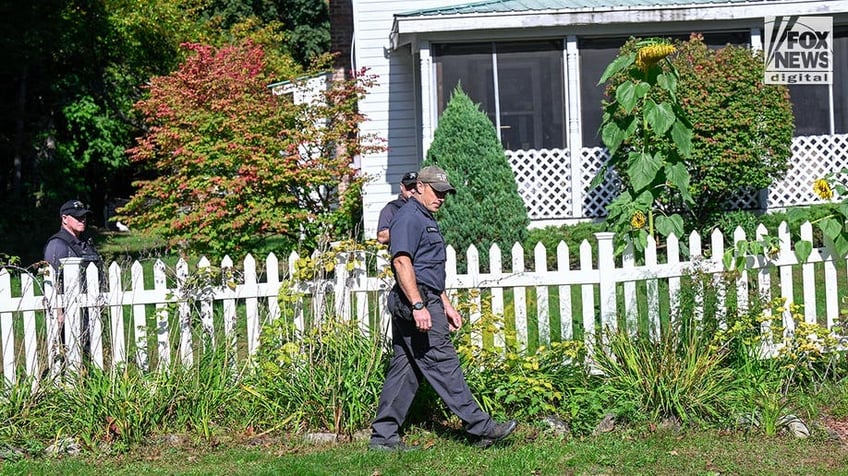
(486, 208)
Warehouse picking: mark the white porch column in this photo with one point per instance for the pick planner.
(575, 133)
(428, 96)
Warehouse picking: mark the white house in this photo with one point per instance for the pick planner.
(533, 65)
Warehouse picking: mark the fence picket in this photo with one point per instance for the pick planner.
(808, 278)
(472, 257)
(73, 321)
(519, 298)
(786, 278)
(588, 298)
(652, 291)
(742, 278)
(28, 315)
(764, 289)
(696, 256)
(717, 244)
(566, 320)
(229, 304)
(184, 310)
(272, 283)
(139, 317)
(207, 324)
(607, 285)
(116, 316)
(163, 334)
(543, 313)
(6, 334)
(830, 283)
(628, 263)
(673, 259)
(496, 270)
(95, 320)
(251, 304)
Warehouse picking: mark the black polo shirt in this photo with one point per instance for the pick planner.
(416, 234)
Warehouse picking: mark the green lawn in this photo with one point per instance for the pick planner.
(528, 452)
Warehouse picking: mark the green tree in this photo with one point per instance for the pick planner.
(486, 208)
(236, 164)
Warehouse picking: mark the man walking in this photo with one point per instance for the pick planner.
(422, 319)
(407, 185)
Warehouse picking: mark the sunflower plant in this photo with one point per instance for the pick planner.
(648, 138)
(833, 226)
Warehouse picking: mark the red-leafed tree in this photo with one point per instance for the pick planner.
(234, 164)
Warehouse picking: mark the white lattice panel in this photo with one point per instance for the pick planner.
(544, 178)
(813, 157)
(544, 182)
(595, 200)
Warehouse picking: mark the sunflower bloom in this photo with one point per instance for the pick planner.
(822, 188)
(650, 55)
(638, 220)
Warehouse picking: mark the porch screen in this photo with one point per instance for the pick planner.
(524, 100)
(811, 103)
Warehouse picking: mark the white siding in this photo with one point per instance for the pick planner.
(392, 107)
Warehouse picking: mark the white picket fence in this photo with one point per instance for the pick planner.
(133, 325)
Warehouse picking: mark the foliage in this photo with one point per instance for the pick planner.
(302, 27)
(509, 381)
(834, 226)
(550, 236)
(678, 376)
(649, 138)
(742, 128)
(236, 164)
(486, 208)
(326, 378)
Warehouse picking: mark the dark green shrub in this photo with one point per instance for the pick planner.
(550, 236)
(486, 208)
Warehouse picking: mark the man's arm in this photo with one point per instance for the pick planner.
(454, 318)
(405, 276)
(383, 236)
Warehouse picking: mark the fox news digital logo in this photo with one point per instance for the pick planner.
(799, 50)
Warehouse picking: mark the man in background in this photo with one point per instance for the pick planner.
(407, 185)
(69, 242)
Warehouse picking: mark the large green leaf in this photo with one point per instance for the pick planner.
(831, 227)
(667, 225)
(682, 137)
(659, 116)
(612, 135)
(668, 82)
(643, 169)
(619, 64)
(626, 96)
(803, 249)
(678, 175)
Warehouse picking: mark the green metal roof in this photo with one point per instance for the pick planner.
(505, 6)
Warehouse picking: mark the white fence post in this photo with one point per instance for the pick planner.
(607, 284)
(72, 290)
(6, 334)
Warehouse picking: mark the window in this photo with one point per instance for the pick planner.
(524, 100)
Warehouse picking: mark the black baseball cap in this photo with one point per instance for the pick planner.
(409, 179)
(74, 208)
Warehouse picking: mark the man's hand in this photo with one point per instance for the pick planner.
(422, 319)
(454, 319)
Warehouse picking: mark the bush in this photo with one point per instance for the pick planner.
(327, 379)
(486, 208)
